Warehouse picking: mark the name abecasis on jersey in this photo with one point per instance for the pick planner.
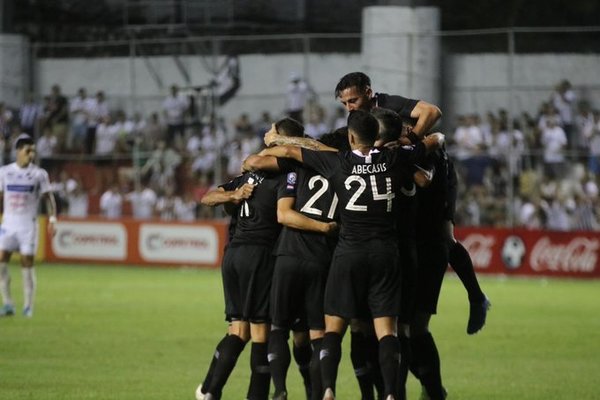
(369, 168)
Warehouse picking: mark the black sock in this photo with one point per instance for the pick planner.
(389, 354)
(362, 370)
(427, 363)
(374, 367)
(461, 263)
(330, 355)
(211, 368)
(261, 376)
(403, 369)
(315, 370)
(279, 358)
(302, 355)
(231, 347)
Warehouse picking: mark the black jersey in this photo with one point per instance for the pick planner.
(433, 199)
(257, 216)
(314, 198)
(399, 104)
(367, 186)
(230, 186)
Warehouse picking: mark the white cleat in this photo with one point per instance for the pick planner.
(199, 394)
(328, 394)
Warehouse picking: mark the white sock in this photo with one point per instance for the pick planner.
(28, 287)
(5, 284)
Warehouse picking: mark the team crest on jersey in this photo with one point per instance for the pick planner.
(291, 180)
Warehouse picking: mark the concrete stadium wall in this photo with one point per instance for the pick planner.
(471, 83)
(14, 69)
(482, 82)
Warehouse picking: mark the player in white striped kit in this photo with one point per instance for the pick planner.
(22, 186)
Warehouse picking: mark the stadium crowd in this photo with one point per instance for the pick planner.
(538, 171)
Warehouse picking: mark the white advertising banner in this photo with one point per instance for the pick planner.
(179, 243)
(89, 240)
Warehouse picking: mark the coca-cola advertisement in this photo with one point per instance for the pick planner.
(532, 252)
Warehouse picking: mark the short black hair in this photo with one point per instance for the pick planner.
(358, 79)
(337, 139)
(23, 140)
(390, 124)
(364, 126)
(289, 127)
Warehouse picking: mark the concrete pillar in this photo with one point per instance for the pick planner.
(401, 50)
(14, 69)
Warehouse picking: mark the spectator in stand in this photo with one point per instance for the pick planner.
(77, 198)
(584, 120)
(316, 126)
(58, 119)
(529, 214)
(186, 207)
(297, 97)
(153, 132)
(339, 119)
(143, 201)
(166, 205)
(6, 117)
(97, 110)
(30, 115)
(243, 127)
(591, 132)
(263, 125)
(79, 119)
(46, 148)
(106, 138)
(160, 167)
(556, 213)
(174, 108)
(563, 100)
(111, 202)
(123, 128)
(59, 190)
(203, 186)
(554, 141)
(470, 146)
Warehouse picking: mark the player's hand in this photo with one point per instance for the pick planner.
(332, 228)
(423, 178)
(271, 136)
(436, 138)
(247, 164)
(52, 226)
(242, 193)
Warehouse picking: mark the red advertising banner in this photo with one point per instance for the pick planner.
(135, 242)
(532, 252)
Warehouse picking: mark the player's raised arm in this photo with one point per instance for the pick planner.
(286, 215)
(426, 115)
(274, 138)
(221, 196)
(257, 162)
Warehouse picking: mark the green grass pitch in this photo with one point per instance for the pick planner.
(103, 332)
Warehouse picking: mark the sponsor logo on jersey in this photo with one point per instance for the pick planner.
(20, 188)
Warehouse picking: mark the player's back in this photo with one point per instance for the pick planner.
(257, 216)
(367, 187)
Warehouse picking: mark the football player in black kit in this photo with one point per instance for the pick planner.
(303, 258)
(364, 278)
(354, 92)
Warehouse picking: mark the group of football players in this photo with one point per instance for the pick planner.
(354, 230)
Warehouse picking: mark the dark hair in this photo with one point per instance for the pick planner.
(358, 79)
(289, 127)
(23, 140)
(337, 139)
(364, 126)
(390, 124)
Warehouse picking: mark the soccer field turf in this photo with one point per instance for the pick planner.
(103, 332)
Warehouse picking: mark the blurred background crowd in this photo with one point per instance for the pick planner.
(534, 171)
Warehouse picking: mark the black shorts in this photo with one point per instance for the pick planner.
(297, 293)
(364, 282)
(433, 262)
(247, 271)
